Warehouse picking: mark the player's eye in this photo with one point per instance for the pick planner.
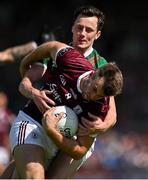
(89, 30)
(79, 28)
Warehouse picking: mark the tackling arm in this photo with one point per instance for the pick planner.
(12, 54)
(45, 50)
(111, 116)
(26, 88)
(97, 125)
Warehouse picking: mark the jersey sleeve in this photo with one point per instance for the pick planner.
(69, 58)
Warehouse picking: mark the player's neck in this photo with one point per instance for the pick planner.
(85, 51)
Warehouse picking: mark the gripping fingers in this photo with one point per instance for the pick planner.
(50, 101)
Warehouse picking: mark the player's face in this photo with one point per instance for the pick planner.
(93, 89)
(85, 32)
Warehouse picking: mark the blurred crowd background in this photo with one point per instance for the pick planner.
(122, 152)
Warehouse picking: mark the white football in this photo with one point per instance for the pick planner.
(68, 124)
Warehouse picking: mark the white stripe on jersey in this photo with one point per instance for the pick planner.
(79, 79)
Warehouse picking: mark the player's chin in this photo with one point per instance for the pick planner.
(82, 45)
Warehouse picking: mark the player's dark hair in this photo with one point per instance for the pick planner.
(113, 79)
(91, 11)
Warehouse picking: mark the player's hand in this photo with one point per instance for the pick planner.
(50, 120)
(87, 127)
(93, 126)
(97, 124)
(42, 101)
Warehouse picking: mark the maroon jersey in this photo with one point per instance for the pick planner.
(64, 84)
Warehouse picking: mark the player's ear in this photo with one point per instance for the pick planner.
(98, 34)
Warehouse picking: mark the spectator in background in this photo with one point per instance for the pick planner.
(6, 118)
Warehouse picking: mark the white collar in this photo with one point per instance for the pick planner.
(79, 80)
(88, 52)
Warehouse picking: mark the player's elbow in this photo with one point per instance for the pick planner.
(20, 88)
(79, 153)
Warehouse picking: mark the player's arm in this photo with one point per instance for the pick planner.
(45, 50)
(111, 117)
(97, 125)
(27, 89)
(12, 54)
(74, 148)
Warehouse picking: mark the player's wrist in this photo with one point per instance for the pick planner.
(49, 127)
(33, 93)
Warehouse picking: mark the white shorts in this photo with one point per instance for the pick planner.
(26, 130)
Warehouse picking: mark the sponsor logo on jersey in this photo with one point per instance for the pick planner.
(53, 88)
(63, 81)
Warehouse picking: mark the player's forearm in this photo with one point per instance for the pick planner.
(111, 116)
(69, 146)
(12, 54)
(26, 88)
(21, 51)
(40, 53)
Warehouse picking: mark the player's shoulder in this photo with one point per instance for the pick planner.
(64, 50)
(68, 52)
(102, 60)
(97, 53)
